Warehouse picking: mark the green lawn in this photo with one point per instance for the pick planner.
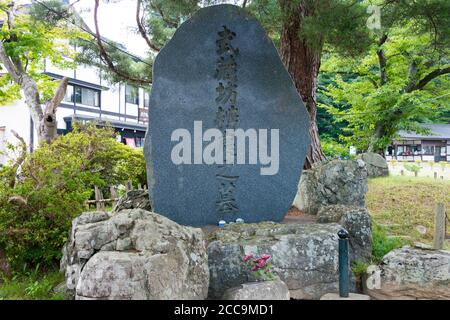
(399, 204)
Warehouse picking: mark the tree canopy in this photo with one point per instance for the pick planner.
(402, 80)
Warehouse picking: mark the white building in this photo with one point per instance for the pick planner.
(88, 97)
(412, 146)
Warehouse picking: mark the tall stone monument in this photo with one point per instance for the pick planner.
(228, 132)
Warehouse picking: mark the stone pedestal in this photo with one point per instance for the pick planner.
(264, 290)
(351, 296)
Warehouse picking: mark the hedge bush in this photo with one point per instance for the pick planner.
(39, 198)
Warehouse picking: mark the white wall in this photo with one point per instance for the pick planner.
(15, 116)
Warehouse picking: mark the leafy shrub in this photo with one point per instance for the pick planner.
(39, 201)
(359, 267)
(333, 149)
(412, 167)
(382, 244)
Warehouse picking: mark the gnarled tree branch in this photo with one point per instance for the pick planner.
(105, 56)
(142, 29)
(19, 160)
(430, 76)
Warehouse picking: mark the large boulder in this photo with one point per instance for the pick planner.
(304, 256)
(358, 223)
(334, 182)
(411, 273)
(264, 290)
(376, 165)
(135, 254)
(134, 199)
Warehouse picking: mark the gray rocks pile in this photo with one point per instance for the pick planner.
(305, 256)
(358, 223)
(335, 182)
(376, 165)
(266, 290)
(134, 254)
(410, 273)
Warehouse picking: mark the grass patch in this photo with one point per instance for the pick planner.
(359, 267)
(399, 204)
(32, 287)
(382, 243)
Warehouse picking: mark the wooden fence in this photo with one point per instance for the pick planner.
(100, 202)
(440, 227)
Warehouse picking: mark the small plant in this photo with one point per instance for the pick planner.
(442, 164)
(260, 267)
(412, 168)
(394, 162)
(359, 267)
(431, 163)
(382, 244)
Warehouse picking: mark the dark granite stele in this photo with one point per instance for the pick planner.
(220, 68)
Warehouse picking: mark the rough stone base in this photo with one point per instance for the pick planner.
(134, 254)
(351, 296)
(266, 290)
(304, 256)
(410, 274)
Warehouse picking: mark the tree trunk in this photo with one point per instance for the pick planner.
(377, 134)
(44, 120)
(303, 63)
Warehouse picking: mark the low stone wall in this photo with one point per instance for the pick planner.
(304, 256)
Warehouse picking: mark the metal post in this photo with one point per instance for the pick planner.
(343, 263)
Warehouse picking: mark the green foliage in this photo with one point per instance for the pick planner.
(382, 244)
(8, 91)
(32, 286)
(340, 24)
(35, 38)
(411, 167)
(333, 149)
(52, 186)
(329, 127)
(359, 267)
(416, 82)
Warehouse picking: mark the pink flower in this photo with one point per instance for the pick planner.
(261, 264)
(265, 257)
(248, 257)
